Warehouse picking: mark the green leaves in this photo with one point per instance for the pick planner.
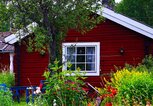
(6, 97)
(140, 10)
(7, 78)
(64, 87)
(54, 19)
(4, 18)
(133, 84)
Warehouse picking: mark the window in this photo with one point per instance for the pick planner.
(86, 56)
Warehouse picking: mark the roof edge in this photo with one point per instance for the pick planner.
(126, 22)
(105, 12)
(20, 34)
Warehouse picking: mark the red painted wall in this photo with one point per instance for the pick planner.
(111, 36)
(31, 66)
(4, 60)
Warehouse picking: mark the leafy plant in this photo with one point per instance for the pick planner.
(148, 62)
(145, 65)
(107, 94)
(64, 86)
(7, 78)
(133, 86)
(5, 97)
(39, 100)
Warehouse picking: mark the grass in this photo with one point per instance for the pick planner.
(22, 103)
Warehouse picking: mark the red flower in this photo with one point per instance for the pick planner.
(108, 104)
(114, 91)
(89, 104)
(111, 95)
(85, 89)
(109, 88)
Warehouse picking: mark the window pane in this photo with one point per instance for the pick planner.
(81, 58)
(90, 58)
(80, 50)
(90, 50)
(70, 50)
(71, 58)
(90, 67)
(81, 66)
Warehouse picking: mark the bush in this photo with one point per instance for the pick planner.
(39, 100)
(64, 88)
(145, 65)
(133, 86)
(5, 97)
(7, 78)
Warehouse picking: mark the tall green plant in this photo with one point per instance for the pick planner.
(148, 62)
(5, 97)
(7, 78)
(64, 87)
(133, 86)
(145, 65)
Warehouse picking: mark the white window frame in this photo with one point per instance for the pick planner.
(96, 72)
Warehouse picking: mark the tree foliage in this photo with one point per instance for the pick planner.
(141, 10)
(54, 19)
(4, 17)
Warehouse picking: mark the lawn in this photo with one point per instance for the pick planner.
(22, 103)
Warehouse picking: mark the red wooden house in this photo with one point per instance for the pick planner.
(114, 42)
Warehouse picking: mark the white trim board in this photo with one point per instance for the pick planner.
(95, 72)
(20, 34)
(126, 22)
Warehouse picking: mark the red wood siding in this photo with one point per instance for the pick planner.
(32, 66)
(4, 60)
(112, 38)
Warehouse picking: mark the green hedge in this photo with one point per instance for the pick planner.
(7, 78)
(133, 86)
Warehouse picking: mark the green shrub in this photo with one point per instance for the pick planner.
(39, 100)
(7, 78)
(5, 97)
(145, 65)
(148, 62)
(133, 85)
(64, 87)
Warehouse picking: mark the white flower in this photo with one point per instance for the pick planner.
(38, 91)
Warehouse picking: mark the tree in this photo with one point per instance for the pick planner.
(54, 19)
(141, 10)
(4, 22)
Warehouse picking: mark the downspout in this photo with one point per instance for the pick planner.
(18, 63)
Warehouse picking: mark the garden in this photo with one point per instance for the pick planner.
(128, 86)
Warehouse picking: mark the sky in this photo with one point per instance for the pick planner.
(117, 1)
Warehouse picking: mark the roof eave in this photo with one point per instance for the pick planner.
(13, 38)
(3, 51)
(126, 22)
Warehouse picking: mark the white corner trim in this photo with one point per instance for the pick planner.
(11, 62)
(97, 60)
(13, 38)
(126, 22)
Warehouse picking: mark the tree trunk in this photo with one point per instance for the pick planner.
(52, 50)
(51, 33)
